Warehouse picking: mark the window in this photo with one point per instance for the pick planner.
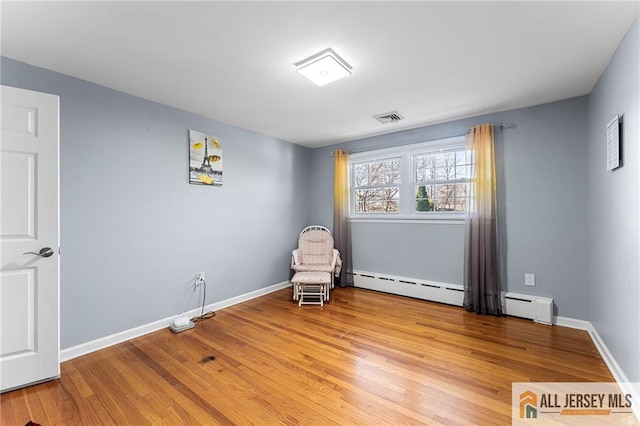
(441, 182)
(422, 181)
(376, 186)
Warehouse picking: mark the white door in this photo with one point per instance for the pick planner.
(29, 283)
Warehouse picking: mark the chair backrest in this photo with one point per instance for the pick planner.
(315, 228)
(315, 246)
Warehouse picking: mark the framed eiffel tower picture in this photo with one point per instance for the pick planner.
(205, 159)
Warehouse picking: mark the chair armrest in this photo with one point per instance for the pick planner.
(294, 258)
(337, 263)
(336, 255)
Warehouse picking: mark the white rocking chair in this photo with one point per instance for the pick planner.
(316, 262)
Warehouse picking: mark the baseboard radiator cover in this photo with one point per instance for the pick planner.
(539, 309)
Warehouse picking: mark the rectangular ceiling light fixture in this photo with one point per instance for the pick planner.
(324, 67)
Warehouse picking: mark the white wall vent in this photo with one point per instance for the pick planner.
(388, 117)
(539, 309)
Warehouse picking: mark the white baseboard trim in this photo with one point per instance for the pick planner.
(621, 379)
(571, 323)
(613, 366)
(104, 342)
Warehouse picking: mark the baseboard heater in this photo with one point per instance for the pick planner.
(539, 309)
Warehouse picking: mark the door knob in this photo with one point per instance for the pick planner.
(44, 252)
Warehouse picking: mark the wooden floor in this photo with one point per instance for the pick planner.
(365, 358)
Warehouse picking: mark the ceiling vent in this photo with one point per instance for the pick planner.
(388, 117)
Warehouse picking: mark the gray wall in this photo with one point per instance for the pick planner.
(542, 169)
(614, 214)
(134, 233)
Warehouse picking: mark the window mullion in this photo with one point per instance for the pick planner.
(407, 199)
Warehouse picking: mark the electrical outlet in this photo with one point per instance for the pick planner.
(530, 280)
(200, 278)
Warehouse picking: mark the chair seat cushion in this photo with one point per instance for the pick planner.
(312, 278)
(313, 268)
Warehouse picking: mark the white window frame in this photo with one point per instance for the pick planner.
(408, 182)
(368, 157)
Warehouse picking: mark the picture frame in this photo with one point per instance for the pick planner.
(205, 159)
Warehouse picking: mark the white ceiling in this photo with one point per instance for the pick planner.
(233, 61)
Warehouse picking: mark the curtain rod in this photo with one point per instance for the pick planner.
(500, 126)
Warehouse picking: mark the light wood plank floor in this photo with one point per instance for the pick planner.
(365, 358)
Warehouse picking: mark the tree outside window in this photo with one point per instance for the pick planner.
(377, 186)
(441, 179)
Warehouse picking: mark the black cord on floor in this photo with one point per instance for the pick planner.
(202, 315)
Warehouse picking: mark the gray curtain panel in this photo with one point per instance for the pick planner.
(482, 284)
(341, 222)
